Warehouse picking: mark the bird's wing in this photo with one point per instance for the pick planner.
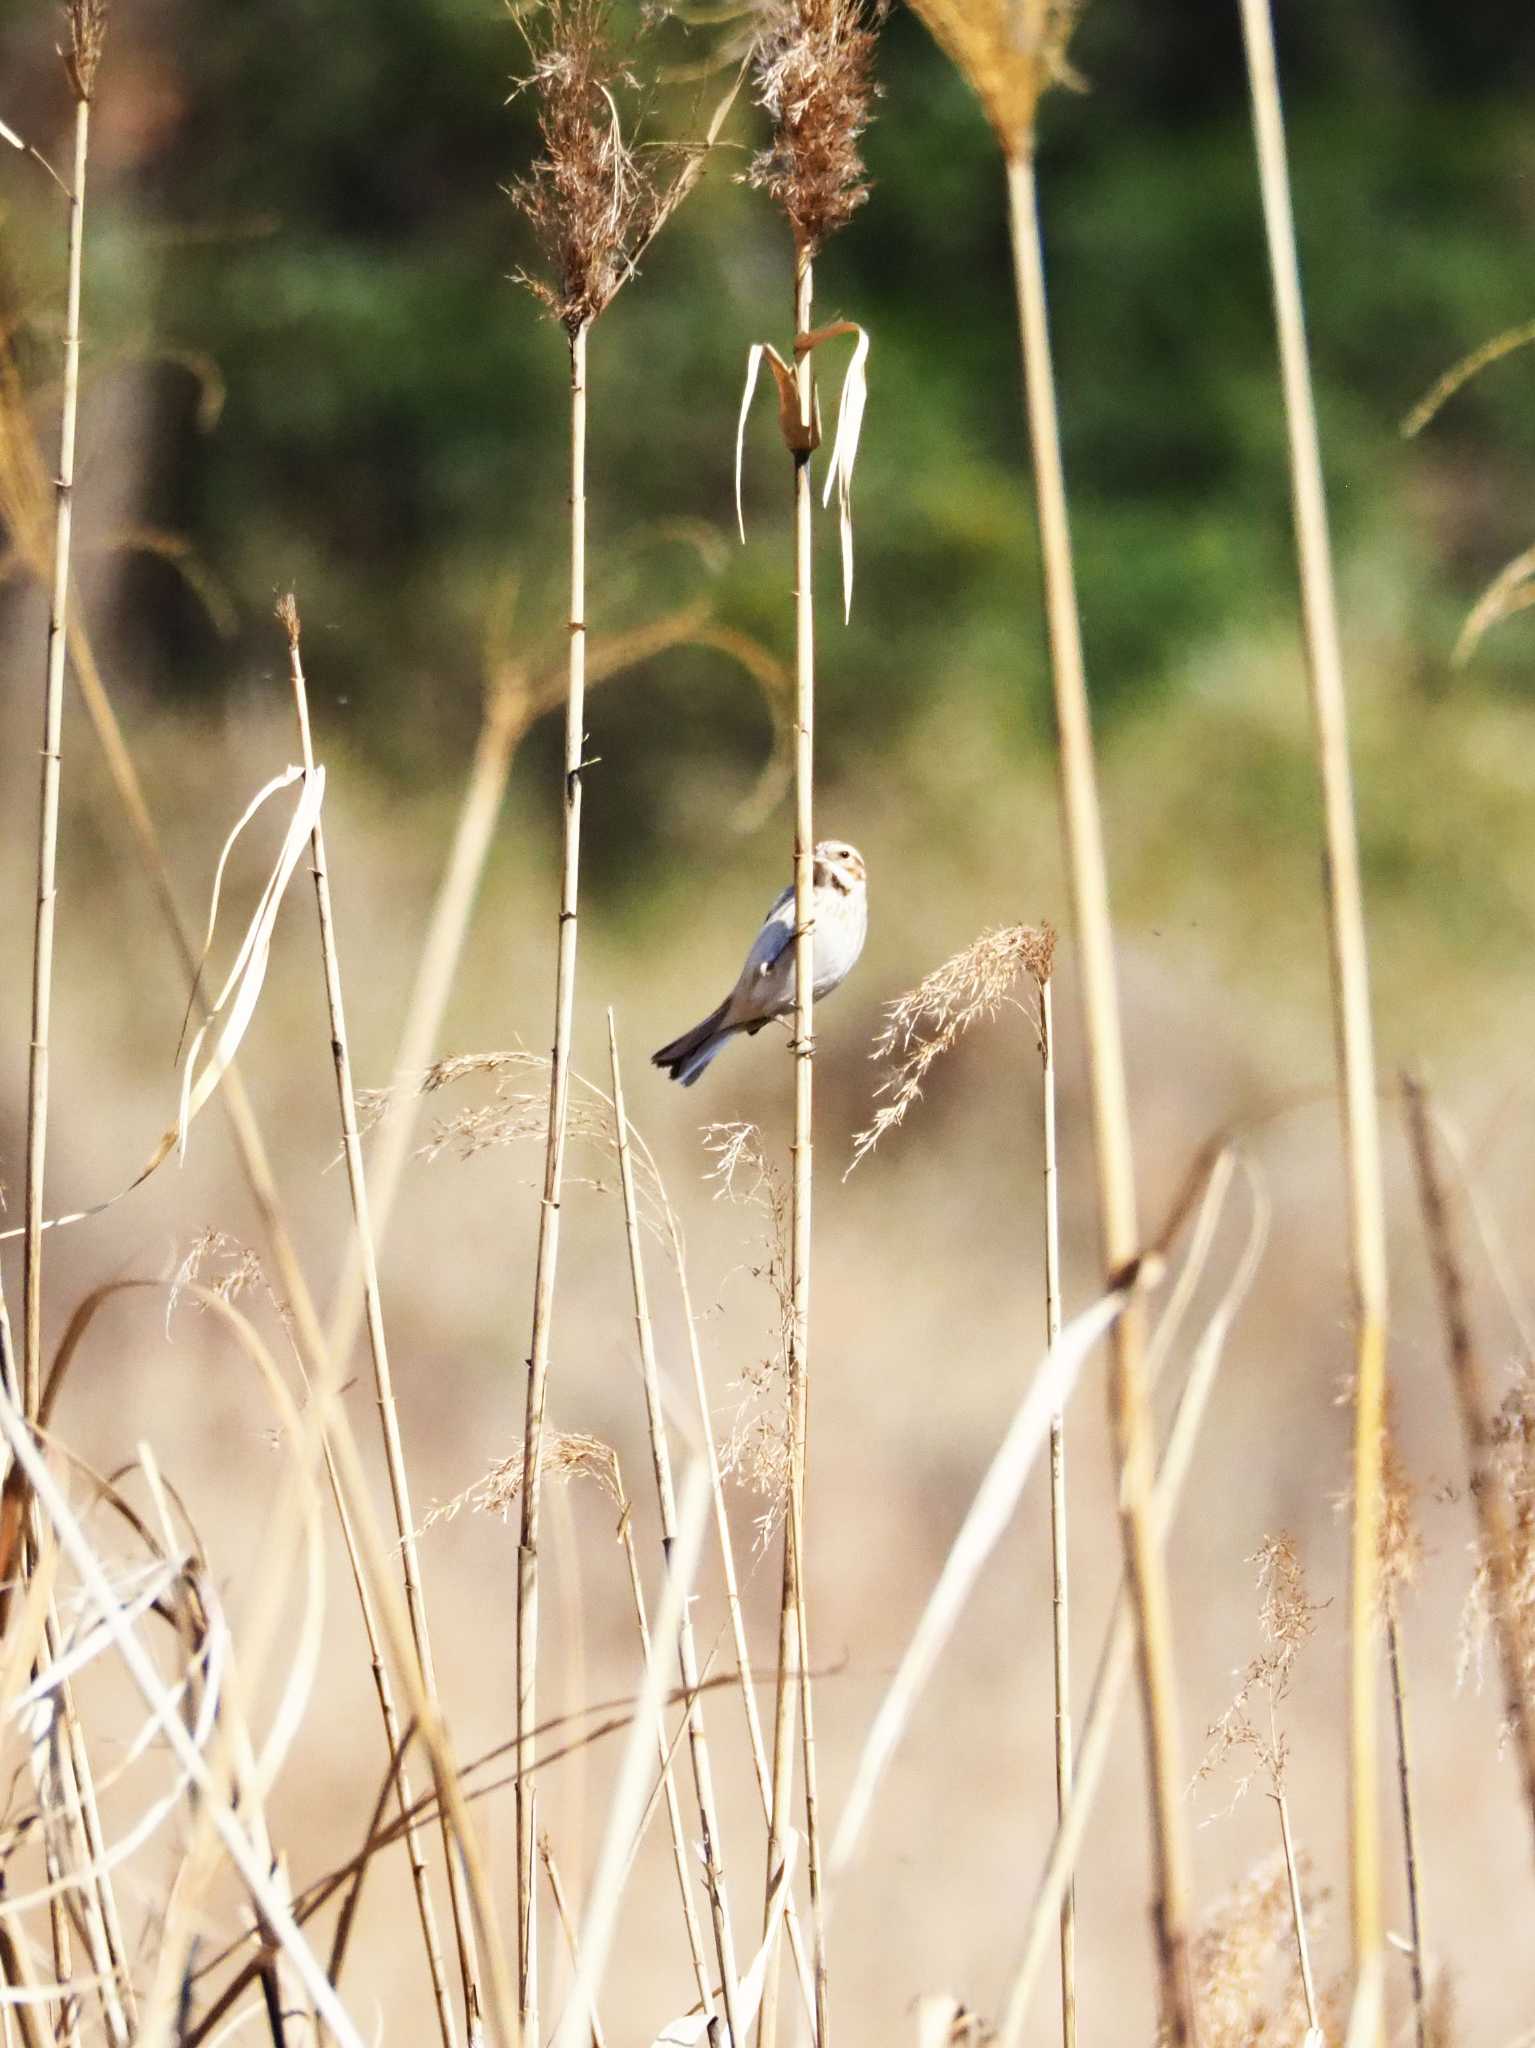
(772, 942)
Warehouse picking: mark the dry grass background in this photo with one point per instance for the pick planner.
(927, 1322)
(927, 1318)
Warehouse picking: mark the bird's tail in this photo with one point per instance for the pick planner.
(686, 1057)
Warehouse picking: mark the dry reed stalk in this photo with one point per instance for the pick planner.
(1350, 987)
(627, 1806)
(1116, 1660)
(812, 71)
(660, 1452)
(681, 1855)
(547, 1256)
(1118, 1228)
(1011, 54)
(760, 1769)
(1059, 1568)
(1409, 1826)
(594, 207)
(87, 29)
(1510, 1624)
(383, 1381)
(572, 1940)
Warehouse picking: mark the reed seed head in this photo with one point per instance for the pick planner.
(594, 200)
(1010, 51)
(87, 21)
(930, 1019)
(813, 71)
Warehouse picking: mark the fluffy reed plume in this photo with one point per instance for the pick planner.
(757, 1446)
(1287, 1619)
(813, 77)
(1251, 1726)
(1010, 54)
(1247, 1979)
(568, 1455)
(930, 1019)
(594, 199)
(1510, 1474)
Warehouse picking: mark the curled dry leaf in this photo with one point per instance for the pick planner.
(802, 440)
(230, 1015)
(235, 1004)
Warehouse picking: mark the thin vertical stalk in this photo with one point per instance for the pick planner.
(1297, 1914)
(1059, 1572)
(1409, 1823)
(383, 1380)
(549, 1210)
(567, 1928)
(682, 1858)
(687, 1650)
(1145, 1568)
(793, 1670)
(1497, 1544)
(1350, 983)
(48, 809)
(765, 1779)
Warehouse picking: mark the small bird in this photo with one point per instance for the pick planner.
(766, 987)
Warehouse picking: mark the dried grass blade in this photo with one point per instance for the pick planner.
(844, 447)
(630, 1792)
(242, 990)
(788, 408)
(988, 1515)
(693, 2027)
(257, 1878)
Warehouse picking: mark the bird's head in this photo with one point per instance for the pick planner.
(839, 866)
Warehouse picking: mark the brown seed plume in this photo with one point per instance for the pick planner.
(813, 75)
(594, 200)
(87, 21)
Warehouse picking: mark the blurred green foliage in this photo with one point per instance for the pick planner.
(321, 216)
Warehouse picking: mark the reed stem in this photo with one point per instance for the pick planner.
(1409, 1822)
(1118, 1229)
(687, 1652)
(547, 1257)
(1350, 983)
(48, 808)
(383, 1379)
(1059, 1560)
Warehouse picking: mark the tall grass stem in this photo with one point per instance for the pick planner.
(378, 1347)
(547, 1257)
(1118, 1228)
(1060, 1607)
(687, 1653)
(1350, 982)
(48, 805)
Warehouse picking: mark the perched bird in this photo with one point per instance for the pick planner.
(766, 987)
